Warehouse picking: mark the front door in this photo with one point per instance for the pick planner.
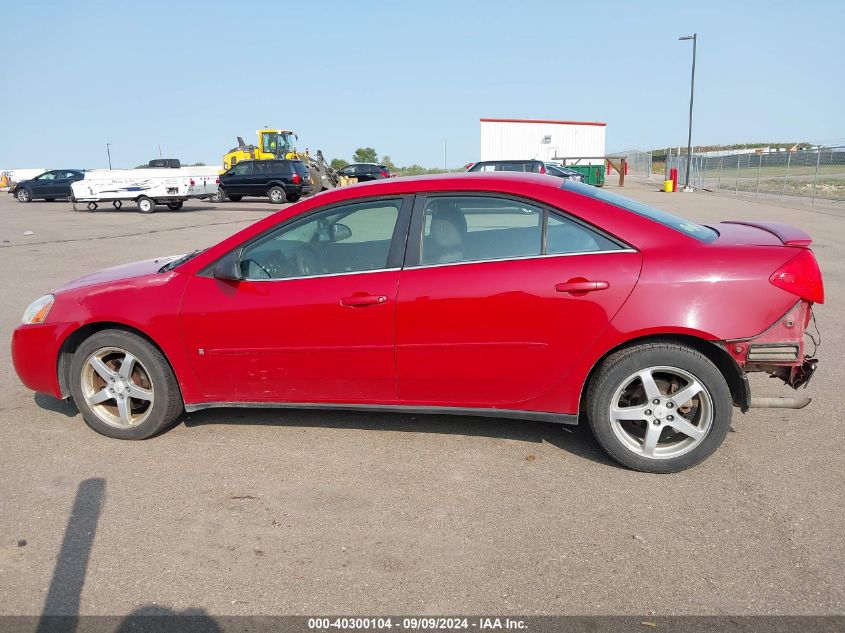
(236, 182)
(313, 318)
(43, 186)
(496, 311)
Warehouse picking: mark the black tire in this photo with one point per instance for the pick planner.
(49, 199)
(277, 195)
(293, 198)
(236, 198)
(620, 367)
(23, 195)
(167, 404)
(175, 206)
(145, 205)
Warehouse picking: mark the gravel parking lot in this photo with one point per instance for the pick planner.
(295, 512)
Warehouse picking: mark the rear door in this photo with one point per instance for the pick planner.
(61, 185)
(255, 184)
(494, 306)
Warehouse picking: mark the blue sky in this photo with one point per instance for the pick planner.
(401, 77)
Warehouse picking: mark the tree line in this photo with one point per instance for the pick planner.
(369, 155)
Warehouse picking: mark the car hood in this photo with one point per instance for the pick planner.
(119, 273)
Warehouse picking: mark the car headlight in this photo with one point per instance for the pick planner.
(38, 310)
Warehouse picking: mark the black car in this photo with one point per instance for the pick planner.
(553, 169)
(365, 171)
(48, 186)
(531, 166)
(279, 180)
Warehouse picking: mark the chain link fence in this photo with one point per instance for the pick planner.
(816, 174)
(639, 163)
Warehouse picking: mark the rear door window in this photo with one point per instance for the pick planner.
(478, 228)
(698, 231)
(565, 236)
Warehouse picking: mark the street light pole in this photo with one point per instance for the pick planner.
(694, 38)
(108, 151)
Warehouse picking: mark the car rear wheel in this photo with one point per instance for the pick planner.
(145, 205)
(659, 407)
(175, 206)
(276, 195)
(23, 195)
(236, 198)
(293, 198)
(123, 386)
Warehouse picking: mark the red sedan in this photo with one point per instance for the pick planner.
(509, 295)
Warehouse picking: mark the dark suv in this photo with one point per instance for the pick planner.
(279, 180)
(365, 171)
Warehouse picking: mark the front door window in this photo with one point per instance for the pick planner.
(346, 239)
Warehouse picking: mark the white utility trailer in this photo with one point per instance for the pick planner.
(145, 187)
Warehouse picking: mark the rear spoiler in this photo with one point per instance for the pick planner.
(786, 233)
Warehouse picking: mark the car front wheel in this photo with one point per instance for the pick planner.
(659, 407)
(23, 195)
(123, 386)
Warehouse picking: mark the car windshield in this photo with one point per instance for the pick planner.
(698, 231)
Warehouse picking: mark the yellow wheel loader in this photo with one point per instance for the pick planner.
(278, 144)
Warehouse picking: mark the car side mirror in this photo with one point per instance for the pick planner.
(340, 232)
(229, 267)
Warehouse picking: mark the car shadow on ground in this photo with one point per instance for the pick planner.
(576, 440)
(61, 610)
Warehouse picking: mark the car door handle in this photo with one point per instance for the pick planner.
(361, 300)
(581, 285)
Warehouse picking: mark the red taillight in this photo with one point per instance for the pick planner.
(384, 174)
(296, 179)
(542, 169)
(192, 182)
(216, 181)
(801, 276)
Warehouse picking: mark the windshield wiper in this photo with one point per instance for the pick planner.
(180, 260)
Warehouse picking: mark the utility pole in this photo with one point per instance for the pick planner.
(108, 151)
(694, 38)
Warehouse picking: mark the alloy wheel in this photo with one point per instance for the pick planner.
(661, 412)
(117, 387)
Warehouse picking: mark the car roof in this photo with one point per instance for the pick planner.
(509, 160)
(268, 160)
(457, 181)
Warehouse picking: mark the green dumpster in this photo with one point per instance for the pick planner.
(592, 174)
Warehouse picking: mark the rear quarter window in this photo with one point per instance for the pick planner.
(698, 231)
